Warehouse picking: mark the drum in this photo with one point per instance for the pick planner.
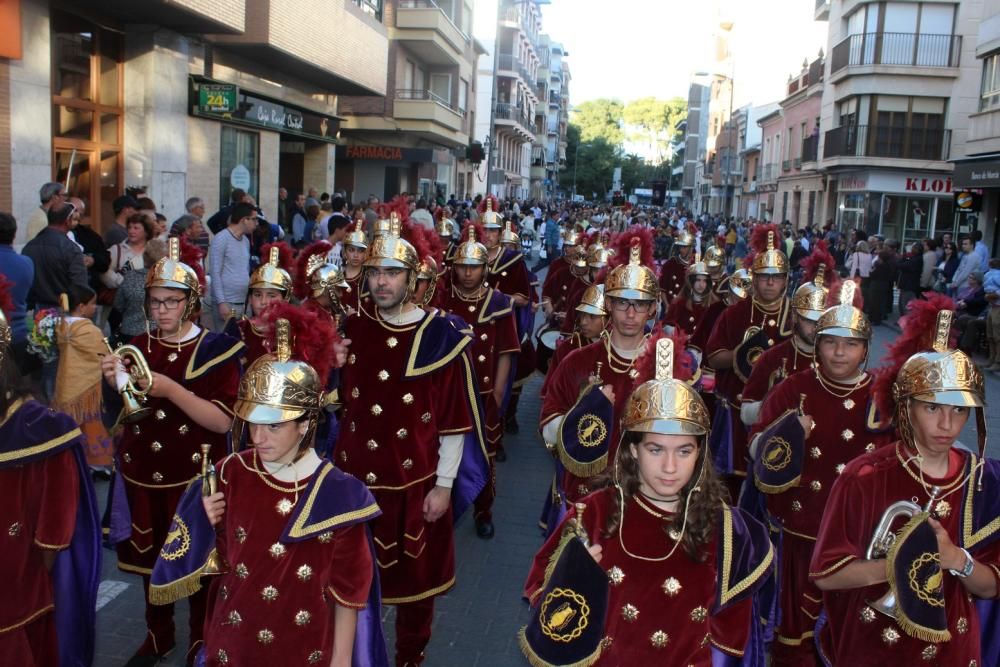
(548, 338)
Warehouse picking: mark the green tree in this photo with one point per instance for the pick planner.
(652, 121)
(600, 119)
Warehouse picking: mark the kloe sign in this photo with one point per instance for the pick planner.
(922, 184)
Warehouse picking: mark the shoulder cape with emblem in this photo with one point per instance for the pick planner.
(438, 342)
(584, 438)
(30, 432)
(495, 305)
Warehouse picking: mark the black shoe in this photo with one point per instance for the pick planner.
(501, 456)
(512, 426)
(485, 530)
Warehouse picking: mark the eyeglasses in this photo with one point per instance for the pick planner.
(622, 305)
(165, 304)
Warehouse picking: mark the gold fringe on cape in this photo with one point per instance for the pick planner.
(185, 586)
(906, 624)
(536, 661)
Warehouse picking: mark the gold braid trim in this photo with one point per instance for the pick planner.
(536, 661)
(581, 468)
(181, 588)
(907, 624)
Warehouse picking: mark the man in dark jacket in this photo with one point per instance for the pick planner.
(908, 270)
(970, 303)
(220, 220)
(58, 261)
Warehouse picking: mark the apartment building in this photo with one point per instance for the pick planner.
(548, 149)
(179, 98)
(695, 139)
(900, 85)
(414, 138)
(800, 188)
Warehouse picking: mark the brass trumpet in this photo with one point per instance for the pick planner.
(209, 481)
(575, 527)
(883, 539)
(133, 396)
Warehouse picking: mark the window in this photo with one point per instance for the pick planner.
(240, 148)
(467, 18)
(441, 88)
(463, 95)
(989, 93)
(371, 7)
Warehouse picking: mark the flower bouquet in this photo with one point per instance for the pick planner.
(42, 337)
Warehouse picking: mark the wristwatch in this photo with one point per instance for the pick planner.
(966, 571)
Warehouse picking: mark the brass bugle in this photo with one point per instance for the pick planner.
(575, 527)
(133, 396)
(209, 481)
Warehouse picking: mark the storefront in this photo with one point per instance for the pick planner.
(898, 205)
(980, 175)
(386, 171)
(306, 139)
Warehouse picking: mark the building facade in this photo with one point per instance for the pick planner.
(180, 98)
(548, 149)
(800, 193)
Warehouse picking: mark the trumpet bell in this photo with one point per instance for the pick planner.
(885, 605)
(133, 410)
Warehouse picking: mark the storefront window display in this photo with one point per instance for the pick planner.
(239, 162)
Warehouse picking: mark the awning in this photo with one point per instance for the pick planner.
(977, 171)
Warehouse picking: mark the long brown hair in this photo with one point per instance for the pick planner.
(705, 493)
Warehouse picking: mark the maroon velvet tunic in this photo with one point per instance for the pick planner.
(767, 372)
(388, 439)
(681, 608)
(685, 314)
(556, 284)
(160, 455)
(564, 389)
(256, 343)
(508, 273)
(573, 299)
(350, 296)
(563, 348)
(275, 604)
(852, 635)
(846, 427)
(673, 276)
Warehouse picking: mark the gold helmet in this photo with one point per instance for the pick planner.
(698, 268)
(509, 235)
(270, 275)
(715, 258)
(324, 277)
(577, 255)
(382, 226)
(357, 236)
(171, 272)
(277, 388)
(427, 270)
(844, 320)
(490, 218)
(444, 227)
(770, 261)
(632, 280)
(471, 252)
(942, 375)
(391, 250)
(809, 300)
(665, 405)
(684, 238)
(740, 284)
(592, 301)
(570, 238)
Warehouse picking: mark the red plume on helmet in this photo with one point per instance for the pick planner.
(820, 256)
(918, 325)
(758, 241)
(645, 363)
(286, 256)
(493, 200)
(300, 286)
(480, 231)
(622, 244)
(192, 255)
(426, 242)
(399, 205)
(313, 335)
(6, 300)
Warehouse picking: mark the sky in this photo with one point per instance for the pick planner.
(627, 49)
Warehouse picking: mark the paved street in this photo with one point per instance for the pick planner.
(476, 624)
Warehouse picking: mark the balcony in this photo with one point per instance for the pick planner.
(907, 143)
(507, 62)
(769, 173)
(423, 28)
(513, 17)
(897, 50)
(513, 117)
(822, 11)
(186, 16)
(809, 146)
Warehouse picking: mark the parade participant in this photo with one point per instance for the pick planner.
(355, 251)
(319, 283)
(52, 553)
(192, 381)
(284, 530)
(630, 295)
(673, 273)
(738, 337)
(429, 288)
(597, 256)
(688, 307)
(494, 345)
(795, 465)
(944, 497)
(734, 288)
(795, 353)
(555, 287)
(715, 260)
(682, 567)
(445, 230)
(269, 283)
(591, 322)
(411, 430)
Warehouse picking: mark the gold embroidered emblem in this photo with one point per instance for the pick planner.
(222, 657)
(325, 537)
(796, 506)
(924, 578)
(815, 452)
(355, 393)
(233, 618)
(183, 429)
(777, 454)
(155, 446)
(591, 431)
(353, 427)
(157, 477)
(302, 617)
(943, 509)
(284, 507)
(425, 418)
(407, 399)
(383, 375)
(315, 657)
(633, 374)
(304, 572)
(15, 529)
(265, 636)
(659, 639)
(402, 434)
(135, 429)
(699, 614)
(867, 614)
(816, 485)
(849, 404)
(564, 615)
(929, 653)
(269, 593)
(172, 357)
(616, 576)
(242, 571)
(161, 415)
(407, 464)
(840, 468)
(241, 534)
(671, 586)
(472, 309)
(630, 613)
(483, 337)
(277, 550)
(351, 359)
(890, 636)
(391, 342)
(962, 625)
(675, 535)
(127, 457)
(372, 445)
(376, 409)
(847, 434)
(370, 478)
(606, 642)
(772, 322)
(870, 447)
(196, 458)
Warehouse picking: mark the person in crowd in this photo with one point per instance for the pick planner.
(188, 226)
(908, 273)
(968, 264)
(78, 380)
(421, 215)
(130, 297)
(20, 271)
(929, 262)
(229, 262)
(220, 218)
(127, 255)
(50, 195)
(970, 310)
(124, 208)
(991, 290)
(945, 272)
(877, 304)
(371, 215)
(982, 252)
(859, 264)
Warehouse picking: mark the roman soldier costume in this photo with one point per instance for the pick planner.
(592, 303)
(555, 287)
(411, 424)
(319, 281)
(269, 275)
(673, 273)
(931, 617)
(159, 455)
(351, 296)
(687, 308)
(598, 255)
